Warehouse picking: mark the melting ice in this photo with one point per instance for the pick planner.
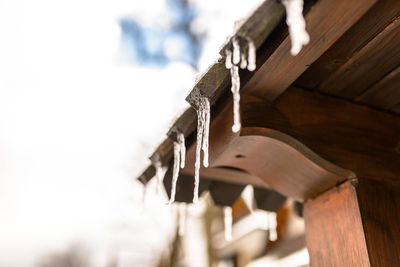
(297, 25)
(203, 129)
(244, 57)
(179, 161)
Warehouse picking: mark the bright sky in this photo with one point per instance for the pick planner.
(77, 123)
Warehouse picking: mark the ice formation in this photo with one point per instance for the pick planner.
(182, 149)
(228, 223)
(182, 219)
(203, 129)
(297, 25)
(159, 174)
(244, 57)
(179, 162)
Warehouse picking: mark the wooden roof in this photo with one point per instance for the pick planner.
(324, 116)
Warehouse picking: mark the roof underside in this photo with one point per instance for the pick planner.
(354, 55)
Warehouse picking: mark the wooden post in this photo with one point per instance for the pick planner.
(354, 224)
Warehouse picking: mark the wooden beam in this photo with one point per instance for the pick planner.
(371, 24)
(385, 93)
(334, 230)
(379, 57)
(354, 225)
(306, 143)
(326, 22)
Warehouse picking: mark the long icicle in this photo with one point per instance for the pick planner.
(236, 98)
(206, 106)
(175, 171)
(203, 128)
(200, 130)
(233, 60)
(228, 223)
(182, 148)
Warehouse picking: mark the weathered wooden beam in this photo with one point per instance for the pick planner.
(385, 93)
(363, 31)
(354, 224)
(297, 145)
(326, 22)
(379, 57)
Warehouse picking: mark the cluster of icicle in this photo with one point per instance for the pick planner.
(242, 53)
(179, 162)
(203, 129)
(297, 25)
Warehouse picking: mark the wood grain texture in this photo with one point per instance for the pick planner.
(296, 146)
(326, 22)
(379, 57)
(385, 93)
(373, 22)
(334, 230)
(380, 213)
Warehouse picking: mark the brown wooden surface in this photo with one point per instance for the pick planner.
(354, 224)
(385, 93)
(379, 57)
(334, 230)
(326, 22)
(297, 146)
(372, 23)
(380, 213)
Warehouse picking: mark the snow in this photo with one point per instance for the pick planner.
(297, 25)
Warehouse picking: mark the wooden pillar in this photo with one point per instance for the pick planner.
(354, 224)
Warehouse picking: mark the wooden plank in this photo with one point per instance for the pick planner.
(372, 63)
(385, 93)
(326, 22)
(225, 175)
(373, 22)
(334, 230)
(380, 213)
(297, 146)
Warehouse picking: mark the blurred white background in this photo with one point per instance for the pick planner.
(78, 119)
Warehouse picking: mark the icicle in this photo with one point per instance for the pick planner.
(175, 171)
(159, 172)
(251, 57)
(236, 98)
(273, 235)
(203, 126)
(200, 129)
(243, 61)
(206, 106)
(182, 219)
(232, 61)
(228, 223)
(182, 148)
(297, 25)
(236, 51)
(228, 58)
